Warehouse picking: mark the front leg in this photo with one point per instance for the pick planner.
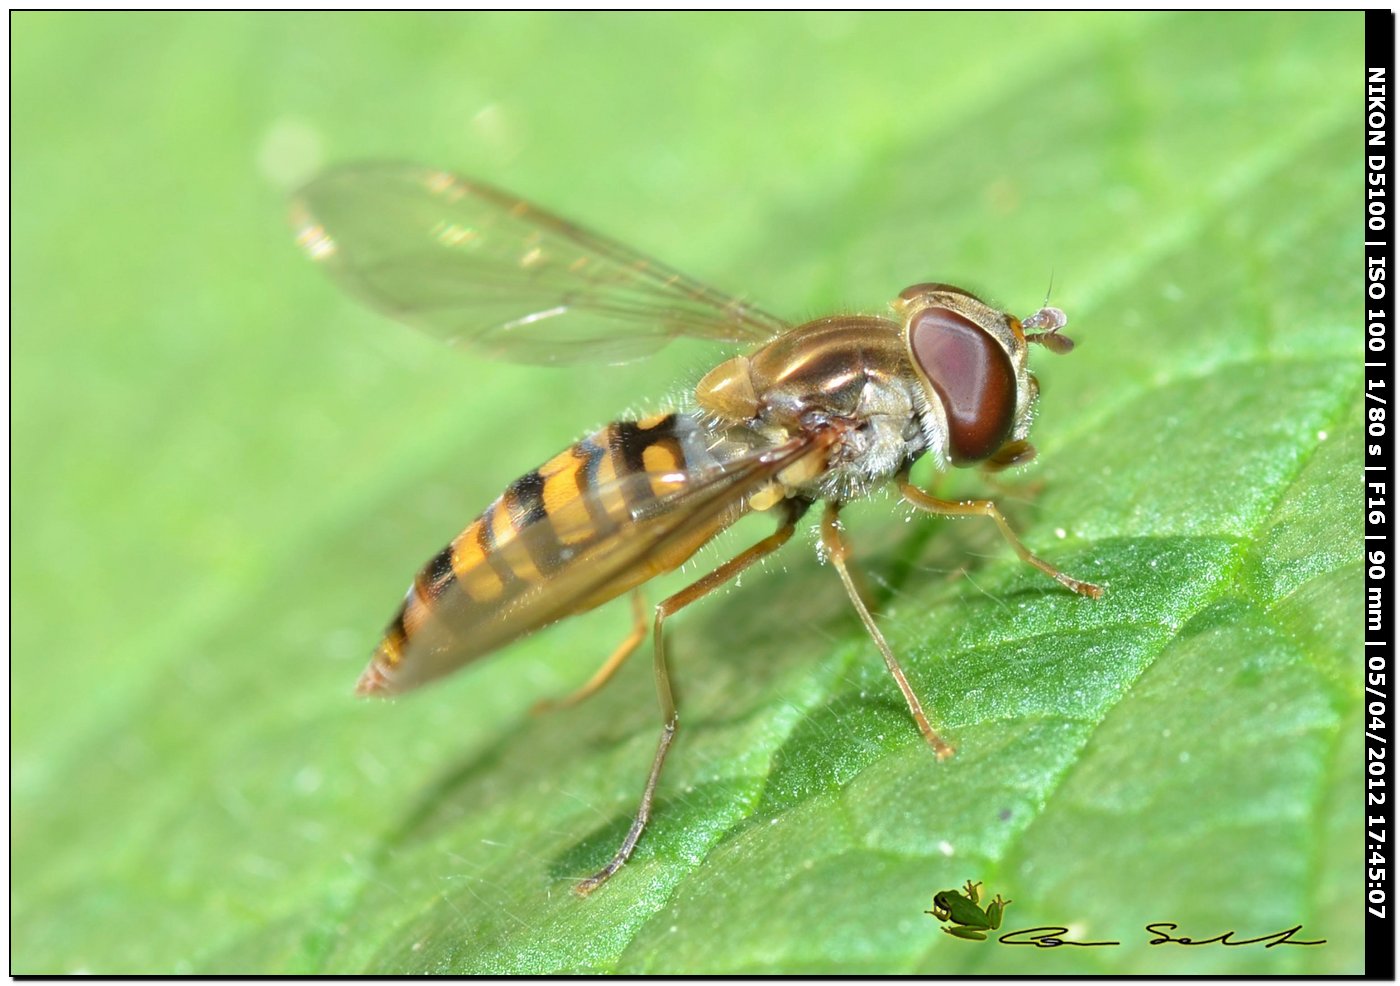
(986, 508)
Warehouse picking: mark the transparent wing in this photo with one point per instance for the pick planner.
(478, 267)
(457, 628)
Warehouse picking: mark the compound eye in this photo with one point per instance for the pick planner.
(973, 378)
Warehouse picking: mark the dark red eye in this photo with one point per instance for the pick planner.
(972, 376)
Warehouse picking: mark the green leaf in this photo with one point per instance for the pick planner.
(225, 474)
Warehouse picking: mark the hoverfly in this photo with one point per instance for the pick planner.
(824, 411)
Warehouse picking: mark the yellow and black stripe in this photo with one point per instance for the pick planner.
(543, 521)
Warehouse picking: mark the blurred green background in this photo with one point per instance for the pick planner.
(225, 473)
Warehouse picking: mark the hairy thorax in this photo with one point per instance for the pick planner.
(848, 375)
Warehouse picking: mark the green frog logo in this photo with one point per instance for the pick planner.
(961, 916)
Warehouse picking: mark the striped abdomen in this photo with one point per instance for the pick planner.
(589, 524)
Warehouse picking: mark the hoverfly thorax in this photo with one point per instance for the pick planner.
(845, 375)
(970, 360)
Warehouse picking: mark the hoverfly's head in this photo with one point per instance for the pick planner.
(970, 362)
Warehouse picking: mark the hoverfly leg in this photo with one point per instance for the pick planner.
(986, 508)
(838, 551)
(793, 510)
(604, 674)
